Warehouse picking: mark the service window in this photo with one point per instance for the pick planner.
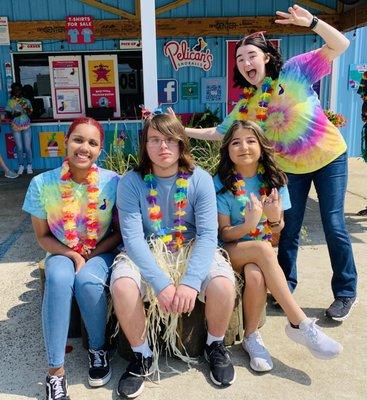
(33, 72)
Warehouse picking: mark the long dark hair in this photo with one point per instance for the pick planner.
(273, 177)
(273, 66)
(169, 126)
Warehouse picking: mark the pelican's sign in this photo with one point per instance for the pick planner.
(181, 55)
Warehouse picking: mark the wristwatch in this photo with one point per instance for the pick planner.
(314, 22)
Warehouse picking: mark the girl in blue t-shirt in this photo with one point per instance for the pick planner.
(251, 196)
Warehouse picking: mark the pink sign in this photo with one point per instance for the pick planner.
(233, 94)
(80, 29)
(103, 97)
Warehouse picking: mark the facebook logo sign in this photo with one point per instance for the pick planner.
(167, 91)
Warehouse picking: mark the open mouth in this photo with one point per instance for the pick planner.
(252, 73)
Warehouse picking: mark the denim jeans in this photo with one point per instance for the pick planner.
(90, 293)
(23, 142)
(330, 183)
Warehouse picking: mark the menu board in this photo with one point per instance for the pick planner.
(66, 86)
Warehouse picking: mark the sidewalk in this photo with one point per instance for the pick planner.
(296, 374)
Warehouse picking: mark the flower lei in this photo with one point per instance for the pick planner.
(70, 210)
(172, 237)
(263, 104)
(262, 231)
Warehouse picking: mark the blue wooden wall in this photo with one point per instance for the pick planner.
(290, 45)
(348, 102)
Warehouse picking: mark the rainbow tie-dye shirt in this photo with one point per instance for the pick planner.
(43, 200)
(22, 122)
(304, 139)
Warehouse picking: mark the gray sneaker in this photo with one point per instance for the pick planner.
(11, 174)
(311, 336)
(341, 307)
(260, 359)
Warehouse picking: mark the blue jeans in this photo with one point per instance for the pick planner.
(90, 293)
(23, 142)
(330, 183)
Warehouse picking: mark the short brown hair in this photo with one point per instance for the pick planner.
(169, 126)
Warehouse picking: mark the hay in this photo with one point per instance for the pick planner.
(161, 327)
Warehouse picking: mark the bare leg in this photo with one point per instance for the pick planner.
(262, 254)
(129, 310)
(219, 304)
(3, 165)
(254, 297)
(56, 371)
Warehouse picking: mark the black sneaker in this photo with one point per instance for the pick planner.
(131, 383)
(99, 368)
(341, 308)
(221, 369)
(56, 388)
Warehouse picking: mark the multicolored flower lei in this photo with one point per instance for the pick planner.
(263, 104)
(70, 209)
(262, 231)
(172, 237)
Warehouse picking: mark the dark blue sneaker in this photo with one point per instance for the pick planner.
(99, 368)
(341, 308)
(221, 369)
(131, 383)
(56, 388)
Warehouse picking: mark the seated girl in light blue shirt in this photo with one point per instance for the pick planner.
(251, 197)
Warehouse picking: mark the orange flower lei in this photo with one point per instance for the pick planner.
(70, 210)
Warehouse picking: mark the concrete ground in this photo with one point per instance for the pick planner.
(296, 374)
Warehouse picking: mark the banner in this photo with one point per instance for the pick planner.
(233, 94)
(52, 144)
(29, 46)
(66, 86)
(80, 29)
(102, 82)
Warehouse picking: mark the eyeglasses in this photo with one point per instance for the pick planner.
(254, 35)
(157, 142)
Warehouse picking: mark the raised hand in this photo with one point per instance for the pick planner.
(184, 300)
(272, 206)
(296, 15)
(253, 212)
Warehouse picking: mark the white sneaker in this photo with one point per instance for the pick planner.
(260, 359)
(11, 174)
(29, 169)
(310, 335)
(20, 169)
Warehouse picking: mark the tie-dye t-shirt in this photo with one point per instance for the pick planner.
(43, 200)
(21, 122)
(304, 139)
